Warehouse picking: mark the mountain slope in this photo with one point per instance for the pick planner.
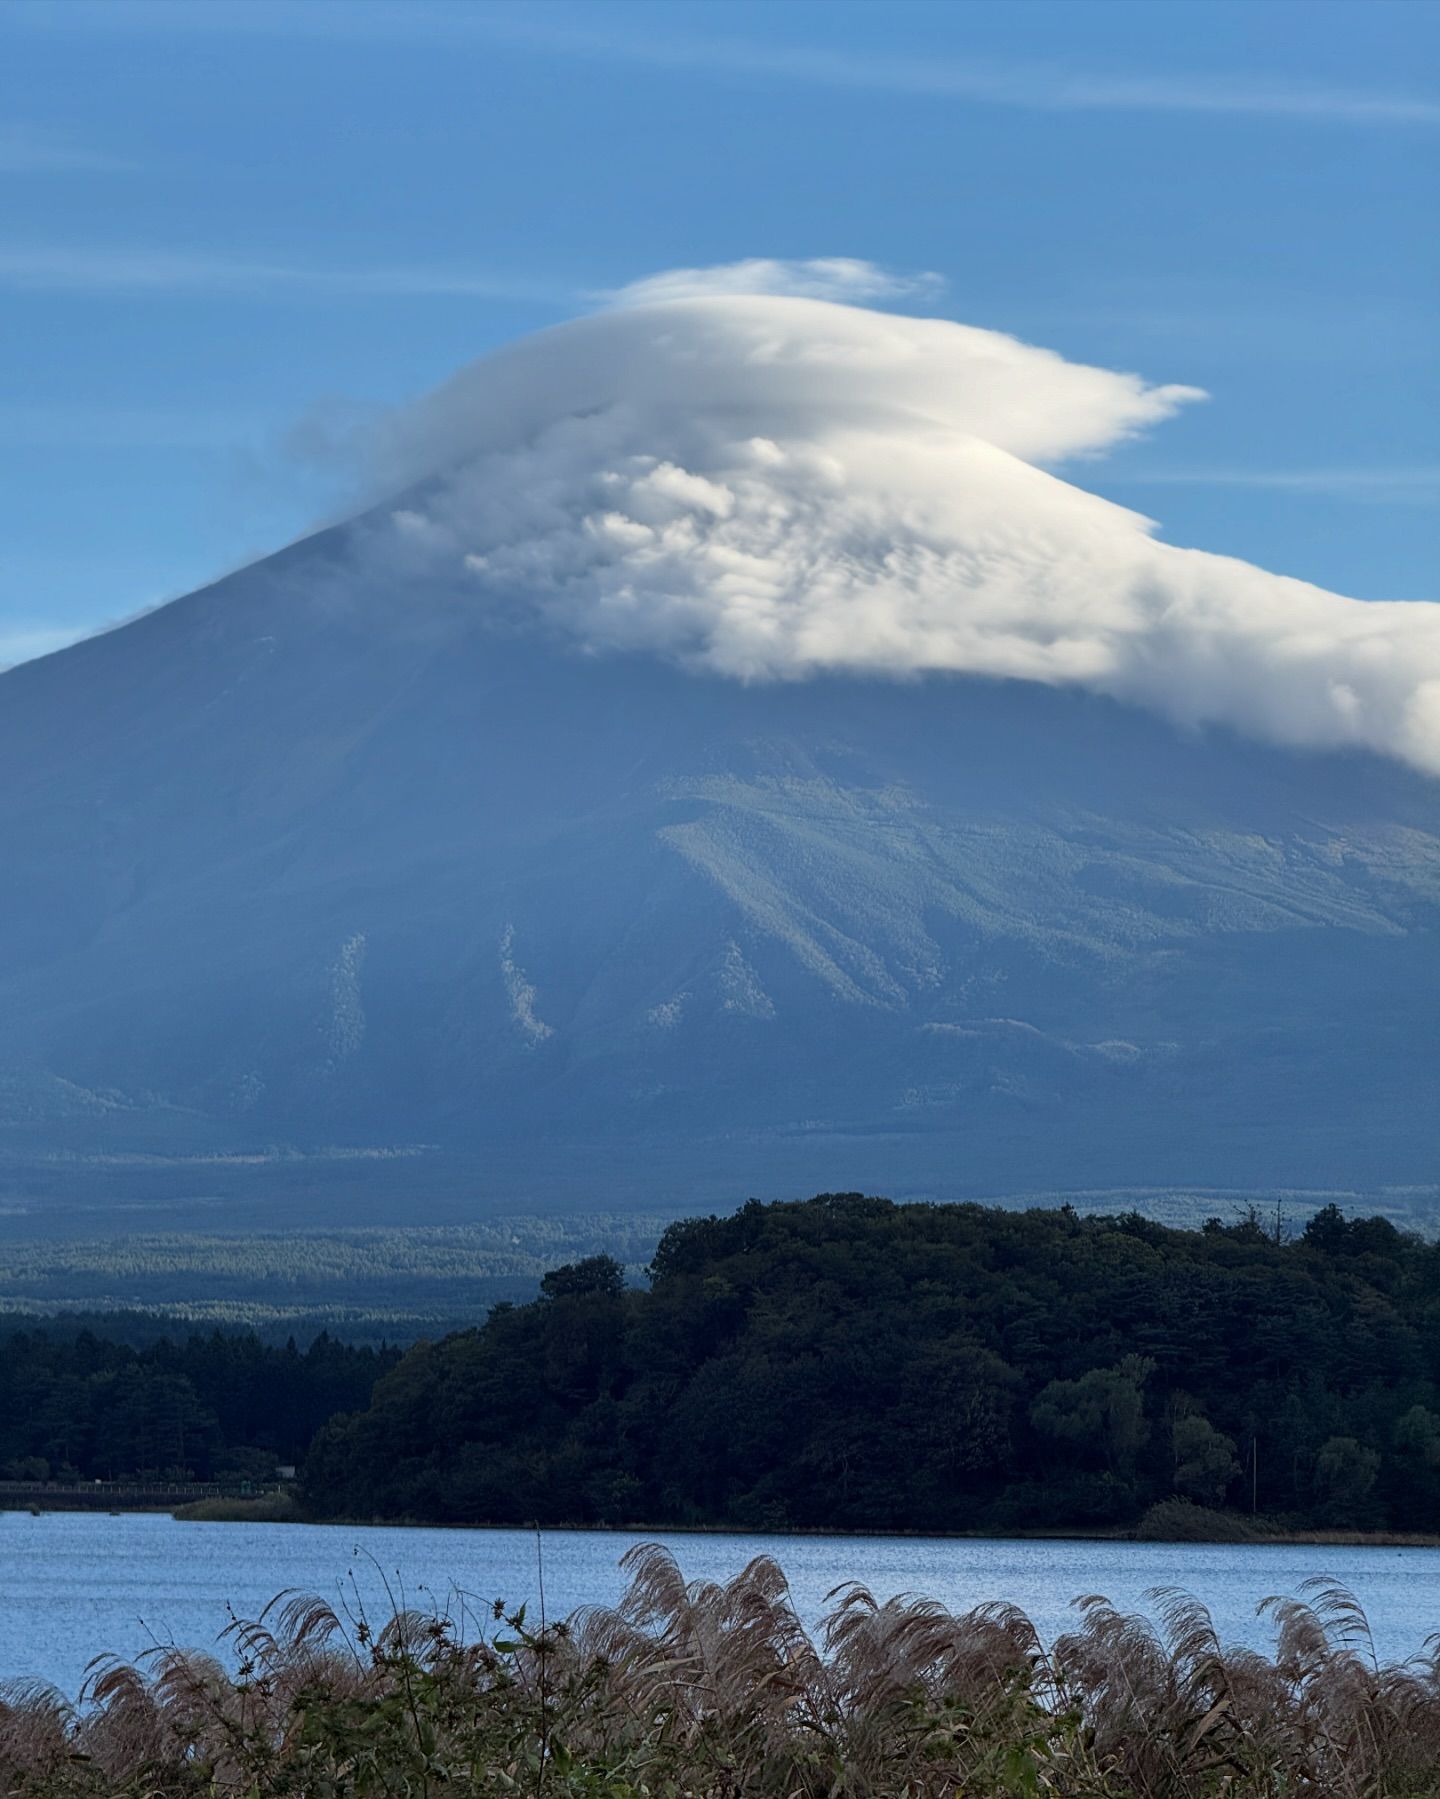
(284, 870)
(735, 762)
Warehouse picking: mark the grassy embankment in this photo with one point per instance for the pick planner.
(260, 1508)
(1216, 1527)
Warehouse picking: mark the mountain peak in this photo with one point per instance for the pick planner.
(772, 487)
(721, 765)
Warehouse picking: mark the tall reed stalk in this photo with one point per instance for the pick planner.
(718, 1691)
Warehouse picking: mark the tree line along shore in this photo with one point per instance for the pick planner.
(837, 1364)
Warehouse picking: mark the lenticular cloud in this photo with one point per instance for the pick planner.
(774, 487)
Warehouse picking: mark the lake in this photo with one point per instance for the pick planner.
(78, 1584)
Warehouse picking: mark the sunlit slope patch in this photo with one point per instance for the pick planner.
(834, 874)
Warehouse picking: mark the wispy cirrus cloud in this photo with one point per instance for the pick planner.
(843, 278)
(110, 268)
(28, 150)
(1413, 485)
(68, 425)
(1036, 86)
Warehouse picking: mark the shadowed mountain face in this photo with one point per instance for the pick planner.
(302, 864)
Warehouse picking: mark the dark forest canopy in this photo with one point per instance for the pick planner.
(850, 1363)
(76, 1404)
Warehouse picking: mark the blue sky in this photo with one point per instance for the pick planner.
(224, 222)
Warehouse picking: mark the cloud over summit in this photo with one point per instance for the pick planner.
(775, 486)
(843, 278)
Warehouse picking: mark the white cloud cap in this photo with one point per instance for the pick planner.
(843, 278)
(768, 486)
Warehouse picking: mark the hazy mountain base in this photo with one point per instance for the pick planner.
(372, 1284)
(362, 1285)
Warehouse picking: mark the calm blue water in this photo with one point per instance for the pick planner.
(75, 1585)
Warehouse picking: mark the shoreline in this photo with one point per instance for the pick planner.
(282, 1512)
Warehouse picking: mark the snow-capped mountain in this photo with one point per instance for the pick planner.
(728, 759)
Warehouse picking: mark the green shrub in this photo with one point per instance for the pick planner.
(1182, 1521)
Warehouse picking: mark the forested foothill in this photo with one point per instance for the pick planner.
(848, 1363)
